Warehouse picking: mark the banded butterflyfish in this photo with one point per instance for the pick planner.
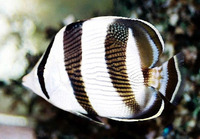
(105, 67)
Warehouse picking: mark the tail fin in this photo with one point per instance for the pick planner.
(167, 78)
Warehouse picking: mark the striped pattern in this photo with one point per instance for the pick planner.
(73, 58)
(115, 54)
(99, 87)
(105, 67)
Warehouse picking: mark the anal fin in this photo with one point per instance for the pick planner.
(95, 118)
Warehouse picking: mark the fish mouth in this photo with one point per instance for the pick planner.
(24, 80)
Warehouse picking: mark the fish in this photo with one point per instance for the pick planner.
(107, 67)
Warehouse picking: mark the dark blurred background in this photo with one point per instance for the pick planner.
(26, 28)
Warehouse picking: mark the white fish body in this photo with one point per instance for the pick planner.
(105, 67)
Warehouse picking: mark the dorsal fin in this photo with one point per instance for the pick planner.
(148, 41)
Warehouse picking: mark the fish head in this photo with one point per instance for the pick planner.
(31, 82)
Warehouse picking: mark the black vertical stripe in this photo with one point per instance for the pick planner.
(172, 78)
(41, 67)
(115, 55)
(72, 59)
